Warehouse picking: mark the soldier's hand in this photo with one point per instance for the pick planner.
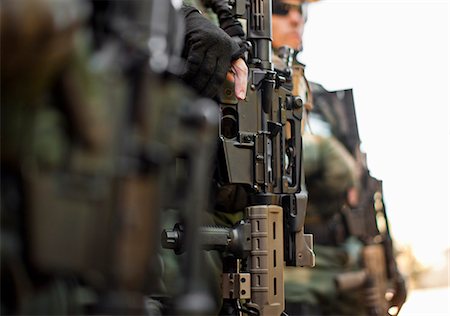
(352, 196)
(209, 53)
(239, 71)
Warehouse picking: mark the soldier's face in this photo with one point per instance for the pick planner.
(288, 24)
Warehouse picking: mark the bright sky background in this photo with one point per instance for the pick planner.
(395, 56)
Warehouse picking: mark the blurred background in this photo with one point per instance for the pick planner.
(395, 56)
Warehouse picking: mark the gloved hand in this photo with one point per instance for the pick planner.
(209, 53)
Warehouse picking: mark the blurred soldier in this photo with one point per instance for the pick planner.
(333, 171)
(80, 194)
(331, 181)
(208, 51)
(56, 145)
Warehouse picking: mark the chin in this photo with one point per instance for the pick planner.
(294, 45)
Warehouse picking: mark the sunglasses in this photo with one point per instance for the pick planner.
(282, 8)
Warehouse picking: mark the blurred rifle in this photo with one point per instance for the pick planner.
(260, 155)
(183, 131)
(368, 220)
(370, 223)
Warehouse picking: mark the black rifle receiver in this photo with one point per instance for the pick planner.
(261, 135)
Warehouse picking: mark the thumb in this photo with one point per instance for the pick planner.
(240, 73)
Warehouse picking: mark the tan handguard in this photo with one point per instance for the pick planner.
(267, 283)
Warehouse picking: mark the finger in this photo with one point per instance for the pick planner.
(352, 197)
(230, 76)
(240, 71)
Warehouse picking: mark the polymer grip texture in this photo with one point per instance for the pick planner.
(266, 258)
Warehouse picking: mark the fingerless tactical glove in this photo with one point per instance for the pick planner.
(208, 51)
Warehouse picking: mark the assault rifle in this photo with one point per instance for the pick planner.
(260, 154)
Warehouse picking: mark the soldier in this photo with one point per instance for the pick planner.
(56, 139)
(332, 179)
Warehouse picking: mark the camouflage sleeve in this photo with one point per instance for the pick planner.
(339, 166)
(206, 12)
(311, 154)
(327, 158)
